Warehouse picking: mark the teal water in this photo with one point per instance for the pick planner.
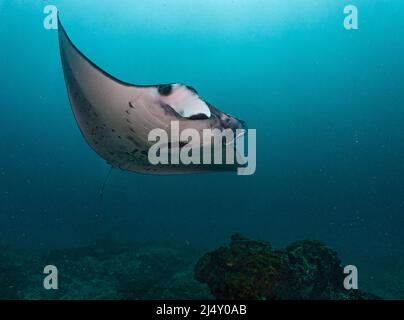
(327, 104)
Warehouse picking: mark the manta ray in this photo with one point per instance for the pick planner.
(115, 117)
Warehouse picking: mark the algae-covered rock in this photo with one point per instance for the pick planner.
(251, 269)
(310, 270)
(244, 270)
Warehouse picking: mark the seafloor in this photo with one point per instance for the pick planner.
(108, 270)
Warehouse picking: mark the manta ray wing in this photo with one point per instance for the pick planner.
(116, 117)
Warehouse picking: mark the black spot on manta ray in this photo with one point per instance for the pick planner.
(165, 89)
(199, 116)
(131, 139)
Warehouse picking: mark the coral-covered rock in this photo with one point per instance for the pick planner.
(310, 270)
(244, 270)
(250, 269)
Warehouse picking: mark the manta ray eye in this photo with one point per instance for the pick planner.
(165, 89)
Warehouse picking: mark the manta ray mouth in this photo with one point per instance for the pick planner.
(116, 117)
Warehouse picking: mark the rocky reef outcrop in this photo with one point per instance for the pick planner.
(252, 269)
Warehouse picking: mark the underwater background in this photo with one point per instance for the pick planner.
(327, 104)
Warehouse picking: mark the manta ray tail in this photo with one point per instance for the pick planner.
(105, 183)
